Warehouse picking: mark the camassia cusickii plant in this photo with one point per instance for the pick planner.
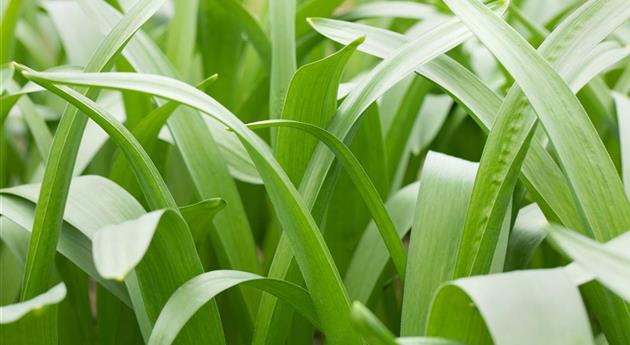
(300, 172)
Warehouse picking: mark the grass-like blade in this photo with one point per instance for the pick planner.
(527, 234)
(14, 312)
(10, 16)
(575, 141)
(181, 35)
(49, 211)
(158, 196)
(93, 202)
(310, 250)
(445, 188)
(147, 133)
(393, 9)
(206, 286)
(310, 98)
(205, 147)
(35, 317)
(362, 182)
(599, 195)
(372, 330)
(375, 333)
(283, 60)
(371, 251)
(623, 118)
(539, 169)
(119, 248)
(510, 137)
(609, 265)
(452, 315)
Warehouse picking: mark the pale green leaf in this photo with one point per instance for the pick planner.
(14, 312)
(610, 266)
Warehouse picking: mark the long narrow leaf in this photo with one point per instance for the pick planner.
(311, 252)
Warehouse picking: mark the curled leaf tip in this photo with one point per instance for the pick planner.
(18, 66)
(358, 41)
(310, 20)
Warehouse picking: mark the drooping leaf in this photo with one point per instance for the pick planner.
(479, 310)
(49, 211)
(512, 132)
(203, 144)
(599, 194)
(310, 98)
(611, 266)
(310, 250)
(206, 286)
(35, 317)
(118, 248)
(362, 182)
(377, 334)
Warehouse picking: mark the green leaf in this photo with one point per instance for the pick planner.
(610, 265)
(527, 234)
(118, 248)
(11, 12)
(49, 212)
(155, 190)
(445, 187)
(93, 202)
(539, 169)
(319, 80)
(426, 46)
(362, 182)
(395, 9)
(283, 60)
(203, 144)
(310, 250)
(623, 118)
(347, 215)
(311, 98)
(158, 196)
(14, 312)
(146, 132)
(510, 136)
(371, 251)
(203, 211)
(204, 287)
(602, 203)
(217, 28)
(180, 37)
(36, 317)
(579, 149)
(432, 43)
(480, 310)
(373, 331)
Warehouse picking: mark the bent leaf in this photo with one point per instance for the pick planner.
(196, 292)
(610, 265)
